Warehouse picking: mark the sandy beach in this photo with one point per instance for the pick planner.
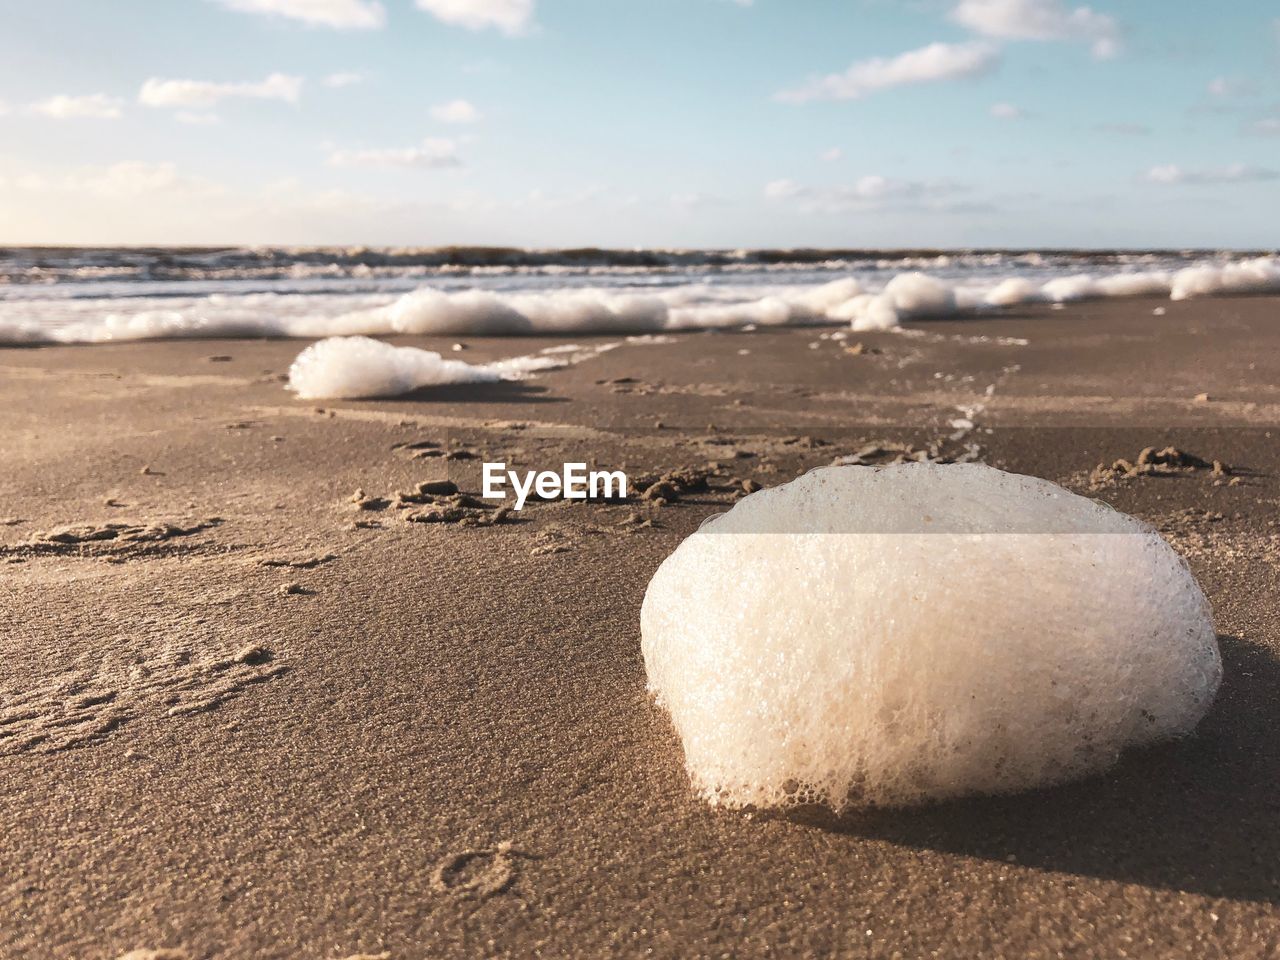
(250, 708)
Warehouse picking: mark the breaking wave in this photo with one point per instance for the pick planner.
(615, 302)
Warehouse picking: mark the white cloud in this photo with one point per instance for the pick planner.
(347, 78)
(1230, 87)
(1266, 127)
(1040, 20)
(455, 111)
(94, 106)
(589, 199)
(831, 155)
(936, 62)
(1006, 111)
(141, 203)
(694, 200)
(876, 187)
(869, 192)
(203, 93)
(509, 16)
(1167, 173)
(339, 14)
(432, 153)
(119, 180)
(1235, 173)
(783, 189)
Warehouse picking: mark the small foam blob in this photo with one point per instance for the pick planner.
(352, 367)
(1012, 291)
(890, 636)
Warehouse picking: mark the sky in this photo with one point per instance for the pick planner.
(676, 123)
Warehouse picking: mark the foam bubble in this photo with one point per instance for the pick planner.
(1259, 275)
(1149, 283)
(351, 367)
(480, 312)
(895, 635)
(1012, 291)
(918, 294)
(694, 307)
(868, 312)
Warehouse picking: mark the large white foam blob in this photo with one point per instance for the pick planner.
(888, 636)
(918, 294)
(349, 367)
(1259, 275)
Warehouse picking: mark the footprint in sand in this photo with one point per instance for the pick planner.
(85, 705)
(553, 540)
(421, 449)
(113, 539)
(479, 873)
(299, 563)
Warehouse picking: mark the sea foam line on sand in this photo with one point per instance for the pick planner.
(429, 311)
(361, 367)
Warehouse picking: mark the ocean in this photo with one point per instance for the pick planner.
(97, 295)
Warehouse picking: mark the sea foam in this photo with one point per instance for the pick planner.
(353, 367)
(905, 296)
(592, 303)
(889, 636)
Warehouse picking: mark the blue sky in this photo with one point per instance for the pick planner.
(666, 122)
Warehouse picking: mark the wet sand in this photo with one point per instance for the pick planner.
(244, 716)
